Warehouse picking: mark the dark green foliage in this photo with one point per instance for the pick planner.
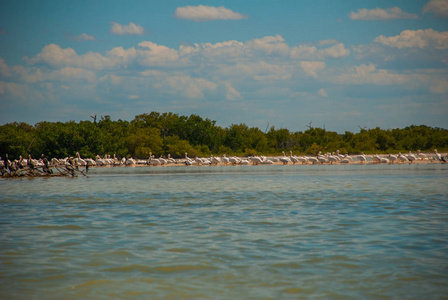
(168, 133)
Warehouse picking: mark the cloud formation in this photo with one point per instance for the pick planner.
(438, 7)
(203, 13)
(265, 73)
(381, 14)
(131, 29)
(416, 38)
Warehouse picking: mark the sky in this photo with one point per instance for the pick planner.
(340, 64)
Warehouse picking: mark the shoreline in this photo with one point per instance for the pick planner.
(80, 166)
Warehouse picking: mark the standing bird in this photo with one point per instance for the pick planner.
(392, 158)
(284, 159)
(402, 158)
(294, 159)
(411, 157)
(362, 158)
(439, 157)
(79, 161)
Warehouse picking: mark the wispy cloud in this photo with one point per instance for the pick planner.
(203, 13)
(130, 29)
(381, 14)
(438, 7)
(80, 38)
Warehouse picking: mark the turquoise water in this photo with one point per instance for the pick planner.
(245, 232)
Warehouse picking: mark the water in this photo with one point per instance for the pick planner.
(248, 232)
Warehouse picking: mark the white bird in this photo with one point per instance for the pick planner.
(162, 160)
(256, 160)
(438, 156)
(244, 162)
(100, 161)
(90, 161)
(189, 161)
(225, 160)
(345, 160)
(215, 160)
(130, 162)
(206, 161)
(79, 161)
(313, 160)
(402, 158)
(362, 158)
(294, 159)
(332, 159)
(234, 160)
(411, 157)
(170, 159)
(303, 159)
(116, 162)
(284, 159)
(265, 161)
(392, 158)
(322, 158)
(384, 160)
(420, 155)
(341, 156)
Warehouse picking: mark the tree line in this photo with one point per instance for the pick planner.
(168, 133)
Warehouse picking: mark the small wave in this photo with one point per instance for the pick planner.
(121, 253)
(92, 282)
(13, 253)
(178, 250)
(60, 227)
(55, 277)
(183, 268)
(130, 268)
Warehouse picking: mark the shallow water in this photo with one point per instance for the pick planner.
(246, 232)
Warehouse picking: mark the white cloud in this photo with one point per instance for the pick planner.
(153, 54)
(336, 51)
(269, 45)
(438, 7)
(223, 52)
(312, 52)
(303, 52)
(416, 38)
(381, 14)
(29, 75)
(130, 29)
(312, 67)
(369, 74)
(56, 56)
(322, 93)
(202, 13)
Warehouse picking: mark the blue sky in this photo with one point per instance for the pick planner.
(340, 64)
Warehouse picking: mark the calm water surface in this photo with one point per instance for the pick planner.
(252, 232)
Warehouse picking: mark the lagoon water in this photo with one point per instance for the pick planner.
(225, 232)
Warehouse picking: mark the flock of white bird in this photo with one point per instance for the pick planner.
(320, 158)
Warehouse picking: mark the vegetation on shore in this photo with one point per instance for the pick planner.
(169, 133)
